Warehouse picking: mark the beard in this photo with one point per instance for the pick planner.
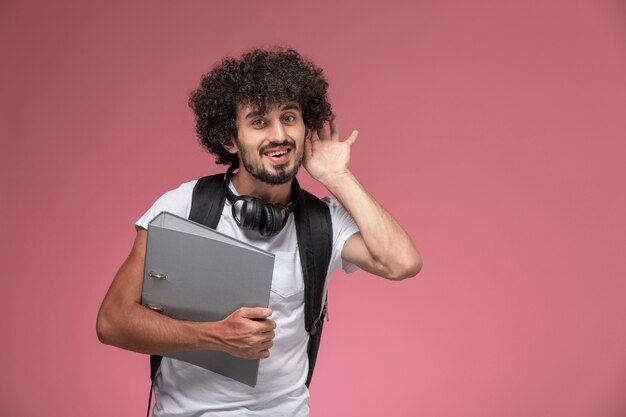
(281, 174)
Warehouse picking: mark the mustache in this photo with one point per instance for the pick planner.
(289, 143)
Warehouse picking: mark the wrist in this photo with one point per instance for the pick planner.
(207, 335)
(335, 180)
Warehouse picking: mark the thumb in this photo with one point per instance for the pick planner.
(255, 312)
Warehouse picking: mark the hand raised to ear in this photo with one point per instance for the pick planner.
(326, 155)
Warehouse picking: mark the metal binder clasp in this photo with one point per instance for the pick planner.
(159, 275)
(155, 307)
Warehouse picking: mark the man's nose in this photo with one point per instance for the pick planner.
(279, 133)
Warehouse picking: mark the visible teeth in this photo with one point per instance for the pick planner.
(277, 153)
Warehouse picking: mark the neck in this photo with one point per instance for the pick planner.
(246, 184)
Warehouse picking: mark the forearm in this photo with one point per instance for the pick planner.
(390, 247)
(135, 327)
(246, 333)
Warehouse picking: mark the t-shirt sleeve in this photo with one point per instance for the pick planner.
(176, 201)
(344, 226)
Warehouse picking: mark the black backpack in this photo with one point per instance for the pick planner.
(315, 237)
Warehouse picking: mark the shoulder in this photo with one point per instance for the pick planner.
(344, 226)
(182, 193)
(337, 211)
(176, 201)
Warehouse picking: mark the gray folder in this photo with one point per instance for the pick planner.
(194, 273)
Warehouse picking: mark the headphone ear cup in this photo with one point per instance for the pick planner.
(282, 212)
(274, 219)
(268, 221)
(251, 213)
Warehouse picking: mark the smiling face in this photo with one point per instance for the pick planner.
(271, 144)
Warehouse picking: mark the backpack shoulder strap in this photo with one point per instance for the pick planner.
(314, 230)
(207, 203)
(208, 200)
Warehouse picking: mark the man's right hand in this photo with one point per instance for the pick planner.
(247, 333)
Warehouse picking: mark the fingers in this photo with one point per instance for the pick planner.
(264, 352)
(259, 347)
(321, 133)
(259, 315)
(334, 131)
(267, 326)
(334, 134)
(267, 344)
(308, 146)
(255, 312)
(313, 136)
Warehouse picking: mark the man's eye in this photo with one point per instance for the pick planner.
(289, 118)
(258, 123)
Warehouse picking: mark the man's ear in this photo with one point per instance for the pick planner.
(230, 146)
(307, 133)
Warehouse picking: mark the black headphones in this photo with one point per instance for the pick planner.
(268, 219)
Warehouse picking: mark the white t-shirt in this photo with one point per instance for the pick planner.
(182, 389)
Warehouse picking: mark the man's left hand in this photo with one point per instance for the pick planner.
(327, 156)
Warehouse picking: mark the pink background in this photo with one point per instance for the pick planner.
(494, 131)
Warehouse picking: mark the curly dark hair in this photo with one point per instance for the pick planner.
(261, 78)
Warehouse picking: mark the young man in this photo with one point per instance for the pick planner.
(264, 113)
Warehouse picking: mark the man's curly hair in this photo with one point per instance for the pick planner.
(261, 78)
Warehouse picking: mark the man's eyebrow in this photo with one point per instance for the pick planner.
(254, 114)
(290, 106)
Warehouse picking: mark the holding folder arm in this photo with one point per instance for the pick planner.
(125, 323)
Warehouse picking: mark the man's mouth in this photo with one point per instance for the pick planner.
(278, 154)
